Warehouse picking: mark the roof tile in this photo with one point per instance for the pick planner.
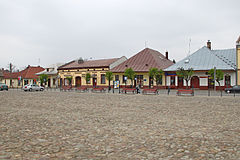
(143, 61)
(88, 64)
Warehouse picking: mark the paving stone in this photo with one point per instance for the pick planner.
(69, 125)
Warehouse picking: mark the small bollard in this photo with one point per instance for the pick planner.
(221, 93)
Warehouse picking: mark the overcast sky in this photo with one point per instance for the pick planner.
(55, 31)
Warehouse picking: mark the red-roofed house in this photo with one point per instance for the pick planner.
(26, 76)
(141, 64)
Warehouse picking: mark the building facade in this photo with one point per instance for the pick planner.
(78, 69)
(141, 64)
(238, 61)
(201, 62)
(52, 73)
(24, 77)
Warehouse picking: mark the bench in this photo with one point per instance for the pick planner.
(66, 88)
(81, 89)
(129, 90)
(145, 91)
(99, 89)
(185, 92)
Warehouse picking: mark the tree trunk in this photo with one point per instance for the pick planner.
(219, 85)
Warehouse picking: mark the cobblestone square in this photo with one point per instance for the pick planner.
(70, 125)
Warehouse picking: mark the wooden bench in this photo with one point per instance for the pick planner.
(99, 89)
(129, 90)
(185, 92)
(81, 89)
(145, 91)
(66, 88)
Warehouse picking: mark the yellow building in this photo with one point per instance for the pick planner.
(238, 60)
(141, 64)
(78, 69)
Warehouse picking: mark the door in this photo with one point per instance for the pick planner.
(194, 82)
(94, 82)
(49, 82)
(78, 81)
(180, 82)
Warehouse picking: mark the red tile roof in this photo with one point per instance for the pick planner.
(88, 64)
(143, 61)
(28, 73)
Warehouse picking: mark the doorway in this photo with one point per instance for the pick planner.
(49, 82)
(180, 82)
(195, 82)
(78, 81)
(94, 82)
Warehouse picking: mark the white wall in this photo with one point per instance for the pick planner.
(204, 81)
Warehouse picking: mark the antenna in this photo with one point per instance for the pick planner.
(145, 44)
(39, 61)
(189, 47)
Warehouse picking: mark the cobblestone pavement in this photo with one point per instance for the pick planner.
(70, 125)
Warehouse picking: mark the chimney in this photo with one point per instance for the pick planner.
(238, 41)
(166, 54)
(209, 46)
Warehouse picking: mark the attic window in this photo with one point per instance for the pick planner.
(187, 61)
(146, 64)
(126, 65)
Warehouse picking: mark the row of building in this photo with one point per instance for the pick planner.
(203, 60)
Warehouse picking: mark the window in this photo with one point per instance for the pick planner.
(103, 79)
(34, 81)
(25, 82)
(124, 81)
(172, 81)
(150, 81)
(116, 77)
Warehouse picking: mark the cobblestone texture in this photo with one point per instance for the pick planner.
(69, 125)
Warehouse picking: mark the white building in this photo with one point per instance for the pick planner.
(201, 62)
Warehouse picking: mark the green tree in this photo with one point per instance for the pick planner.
(219, 75)
(69, 80)
(43, 78)
(159, 77)
(130, 74)
(156, 75)
(186, 74)
(109, 77)
(87, 77)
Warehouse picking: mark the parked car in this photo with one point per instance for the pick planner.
(3, 87)
(234, 89)
(32, 87)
